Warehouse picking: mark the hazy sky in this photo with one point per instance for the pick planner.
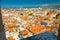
(22, 3)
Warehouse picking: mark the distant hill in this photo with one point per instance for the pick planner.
(54, 6)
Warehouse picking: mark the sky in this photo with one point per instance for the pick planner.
(27, 3)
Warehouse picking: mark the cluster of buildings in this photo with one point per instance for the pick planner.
(22, 23)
